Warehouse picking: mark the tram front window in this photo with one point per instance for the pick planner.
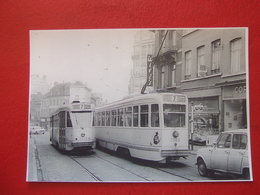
(174, 115)
(82, 119)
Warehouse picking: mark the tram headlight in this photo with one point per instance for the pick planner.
(175, 134)
(82, 134)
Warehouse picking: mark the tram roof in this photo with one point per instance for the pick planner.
(70, 108)
(64, 108)
(137, 98)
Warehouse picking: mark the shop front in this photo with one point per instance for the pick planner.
(205, 114)
(235, 108)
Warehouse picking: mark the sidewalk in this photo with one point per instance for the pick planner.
(31, 162)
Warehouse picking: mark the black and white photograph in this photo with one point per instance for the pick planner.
(139, 105)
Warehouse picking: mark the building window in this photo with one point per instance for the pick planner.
(202, 69)
(236, 114)
(235, 49)
(215, 60)
(143, 52)
(187, 64)
(163, 77)
(173, 68)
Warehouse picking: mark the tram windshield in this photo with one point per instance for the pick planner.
(81, 119)
(174, 115)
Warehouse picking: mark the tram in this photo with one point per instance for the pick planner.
(149, 126)
(71, 127)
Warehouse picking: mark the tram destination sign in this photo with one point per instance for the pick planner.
(81, 106)
(174, 98)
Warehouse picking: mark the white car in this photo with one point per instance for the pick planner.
(229, 154)
(36, 130)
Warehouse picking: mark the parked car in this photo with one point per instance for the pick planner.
(198, 139)
(37, 130)
(229, 154)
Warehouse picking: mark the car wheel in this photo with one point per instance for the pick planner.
(246, 174)
(202, 169)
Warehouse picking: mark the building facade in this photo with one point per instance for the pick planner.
(209, 66)
(39, 84)
(35, 106)
(38, 87)
(167, 60)
(143, 46)
(62, 94)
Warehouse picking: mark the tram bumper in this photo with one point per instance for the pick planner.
(82, 144)
(175, 153)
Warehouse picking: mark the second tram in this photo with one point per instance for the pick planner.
(71, 127)
(149, 126)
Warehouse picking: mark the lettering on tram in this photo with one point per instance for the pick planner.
(148, 126)
(71, 127)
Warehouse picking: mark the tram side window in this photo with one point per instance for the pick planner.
(107, 118)
(95, 121)
(69, 124)
(103, 119)
(113, 122)
(135, 116)
(128, 117)
(62, 119)
(99, 119)
(155, 115)
(55, 121)
(120, 117)
(144, 115)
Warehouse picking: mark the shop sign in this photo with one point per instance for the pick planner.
(238, 91)
(149, 71)
(200, 108)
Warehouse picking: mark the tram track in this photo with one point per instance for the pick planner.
(96, 178)
(122, 168)
(159, 169)
(174, 174)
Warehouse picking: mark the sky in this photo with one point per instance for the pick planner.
(100, 58)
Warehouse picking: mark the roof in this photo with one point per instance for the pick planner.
(237, 131)
(140, 97)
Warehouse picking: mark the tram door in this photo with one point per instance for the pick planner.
(62, 136)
